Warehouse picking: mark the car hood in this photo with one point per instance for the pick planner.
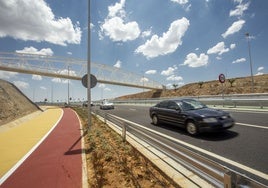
(208, 112)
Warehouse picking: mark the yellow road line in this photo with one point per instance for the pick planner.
(17, 141)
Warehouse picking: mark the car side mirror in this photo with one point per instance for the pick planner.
(178, 109)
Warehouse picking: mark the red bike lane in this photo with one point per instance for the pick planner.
(57, 162)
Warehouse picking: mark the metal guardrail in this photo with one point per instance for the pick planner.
(212, 172)
(238, 100)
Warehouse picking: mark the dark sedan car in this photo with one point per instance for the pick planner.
(191, 115)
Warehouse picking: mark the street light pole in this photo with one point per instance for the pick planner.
(88, 69)
(68, 100)
(249, 52)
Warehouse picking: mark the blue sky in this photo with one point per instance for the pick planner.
(170, 41)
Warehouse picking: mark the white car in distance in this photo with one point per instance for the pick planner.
(106, 105)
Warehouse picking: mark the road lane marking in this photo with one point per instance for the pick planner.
(226, 160)
(249, 125)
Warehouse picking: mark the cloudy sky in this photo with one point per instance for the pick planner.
(170, 41)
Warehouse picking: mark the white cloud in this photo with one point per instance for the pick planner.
(169, 71)
(144, 79)
(7, 75)
(181, 2)
(118, 64)
(43, 88)
(169, 41)
(117, 30)
(259, 73)
(192, 60)
(218, 49)
(60, 80)
(238, 1)
(174, 78)
(36, 77)
(232, 46)
(260, 69)
(235, 27)
(151, 72)
(239, 10)
(64, 72)
(239, 60)
(115, 27)
(21, 84)
(34, 20)
(146, 33)
(107, 89)
(101, 85)
(117, 9)
(32, 50)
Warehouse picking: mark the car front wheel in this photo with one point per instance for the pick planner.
(155, 120)
(191, 128)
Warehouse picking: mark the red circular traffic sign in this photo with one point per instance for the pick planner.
(221, 78)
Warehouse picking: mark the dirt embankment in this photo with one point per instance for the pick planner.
(231, 86)
(13, 103)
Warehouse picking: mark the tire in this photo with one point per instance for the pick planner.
(155, 120)
(191, 128)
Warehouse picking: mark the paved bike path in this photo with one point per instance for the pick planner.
(57, 161)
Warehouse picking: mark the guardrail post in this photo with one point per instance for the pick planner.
(105, 118)
(227, 180)
(124, 130)
(261, 105)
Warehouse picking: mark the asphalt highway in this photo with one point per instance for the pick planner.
(243, 148)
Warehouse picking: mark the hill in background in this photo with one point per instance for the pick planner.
(231, 86)
(13, 103)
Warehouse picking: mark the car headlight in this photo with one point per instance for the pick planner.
(210, 120)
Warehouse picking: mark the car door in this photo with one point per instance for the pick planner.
(161, 111)
(174, 113)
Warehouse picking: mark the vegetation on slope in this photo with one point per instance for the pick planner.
(231, 86)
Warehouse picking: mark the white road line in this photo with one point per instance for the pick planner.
(249, 125)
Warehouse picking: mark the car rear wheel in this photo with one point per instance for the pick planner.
(191, 128)
(155, 120)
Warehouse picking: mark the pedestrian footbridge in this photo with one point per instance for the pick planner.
(69, 68)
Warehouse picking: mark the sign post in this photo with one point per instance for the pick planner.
(222, 80)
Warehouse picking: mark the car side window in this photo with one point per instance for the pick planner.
(163, 104)
(172, 105)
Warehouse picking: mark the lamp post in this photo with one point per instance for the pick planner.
(249, 52)
(68, 100)
(88, 68)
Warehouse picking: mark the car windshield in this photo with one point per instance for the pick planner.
(191, 105)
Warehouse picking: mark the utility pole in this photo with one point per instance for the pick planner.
(249, 52)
